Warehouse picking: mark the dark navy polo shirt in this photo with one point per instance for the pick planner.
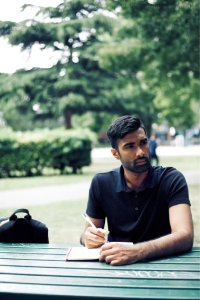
(136, 217)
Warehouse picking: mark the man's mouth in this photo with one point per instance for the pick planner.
(141, 162)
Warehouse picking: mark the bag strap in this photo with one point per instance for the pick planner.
(20, 210)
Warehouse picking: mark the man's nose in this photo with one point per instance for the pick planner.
(140, 152)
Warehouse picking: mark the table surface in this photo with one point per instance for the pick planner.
(38, 271)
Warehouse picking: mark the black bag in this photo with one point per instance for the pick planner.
(23, 230)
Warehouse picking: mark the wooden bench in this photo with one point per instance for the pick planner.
(37, 271)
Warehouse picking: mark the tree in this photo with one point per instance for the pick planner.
(157, 45)
(138, 62)
(76, 83)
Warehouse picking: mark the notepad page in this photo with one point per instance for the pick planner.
(83, 253)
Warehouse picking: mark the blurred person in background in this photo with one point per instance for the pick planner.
(152, 149)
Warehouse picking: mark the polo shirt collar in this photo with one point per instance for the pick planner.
(120, 183)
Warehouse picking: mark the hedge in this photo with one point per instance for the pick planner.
(27, 154)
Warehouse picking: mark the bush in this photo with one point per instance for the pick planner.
(27, 154)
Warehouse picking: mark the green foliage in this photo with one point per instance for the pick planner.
(27, 154)
(94, 121)
(75, 84)
(158, 46)
(143, 60)
(6, 28)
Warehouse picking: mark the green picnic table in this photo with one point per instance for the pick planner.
(39, 271)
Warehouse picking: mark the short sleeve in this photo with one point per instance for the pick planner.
(178, 189)
(94, 206)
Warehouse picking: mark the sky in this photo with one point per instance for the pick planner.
(12, 58)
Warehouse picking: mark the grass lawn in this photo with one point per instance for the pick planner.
(64, 219)
(180, 163)
(66, 224)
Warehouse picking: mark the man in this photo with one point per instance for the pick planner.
(146, 206)
(152, 149)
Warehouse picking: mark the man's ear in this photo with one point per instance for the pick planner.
(115, 153)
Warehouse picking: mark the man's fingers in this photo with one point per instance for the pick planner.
(110, 258)
(95, 237)
(116, 263)
(98, 231)
(106, 258)
(93, 240)
(107, 246)
(104, 231)
(105, 254)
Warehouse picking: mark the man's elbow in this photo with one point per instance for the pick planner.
(190, 241)
(188, 238)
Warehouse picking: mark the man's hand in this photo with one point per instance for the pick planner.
(120, 253)
(95, 237)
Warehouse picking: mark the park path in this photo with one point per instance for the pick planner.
(43, 195)
(77, 191)
(57, 193)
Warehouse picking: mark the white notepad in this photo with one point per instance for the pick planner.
(83, 253)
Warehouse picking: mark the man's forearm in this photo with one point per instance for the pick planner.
(171, 244)
(122, 254)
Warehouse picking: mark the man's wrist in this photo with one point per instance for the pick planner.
(142, 250)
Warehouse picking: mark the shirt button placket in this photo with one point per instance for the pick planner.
(136, 206)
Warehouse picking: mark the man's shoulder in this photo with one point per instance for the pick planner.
(167, 172)
(106, 176)
(107, 173)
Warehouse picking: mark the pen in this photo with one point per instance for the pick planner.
(88, 220)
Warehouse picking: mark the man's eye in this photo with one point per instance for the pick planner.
(144, 143)
(130, 146)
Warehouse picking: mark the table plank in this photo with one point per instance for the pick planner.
(84, 292)
(97, 265)
(61, 257)
(87, 272)
(48, 250)
(97, 281)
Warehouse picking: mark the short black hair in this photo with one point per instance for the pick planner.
(121, 127)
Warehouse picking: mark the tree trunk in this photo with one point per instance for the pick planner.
(148, 124)
(74, 170)
(67, 115)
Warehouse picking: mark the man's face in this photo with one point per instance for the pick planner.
(133, 151)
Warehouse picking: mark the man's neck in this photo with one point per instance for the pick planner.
(135, 181)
